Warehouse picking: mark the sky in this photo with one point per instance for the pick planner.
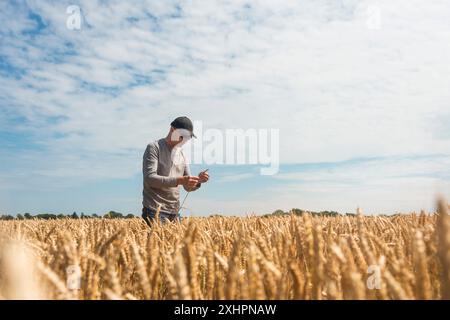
(357, 89)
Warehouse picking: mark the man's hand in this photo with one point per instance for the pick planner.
(188, 181)
(203, 177)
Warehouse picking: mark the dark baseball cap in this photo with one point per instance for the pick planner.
(184, 123)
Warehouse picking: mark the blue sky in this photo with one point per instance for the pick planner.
(363, 112)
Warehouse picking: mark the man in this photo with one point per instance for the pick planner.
(165, 169)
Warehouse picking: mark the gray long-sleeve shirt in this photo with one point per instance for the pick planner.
(161, 168)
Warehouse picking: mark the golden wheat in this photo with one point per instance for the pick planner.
(279, 257)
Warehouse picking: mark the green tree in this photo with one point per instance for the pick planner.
(113, 215)
(297, 211)
(278, 212)
(46, 216)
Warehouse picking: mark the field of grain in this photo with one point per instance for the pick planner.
(284, 257)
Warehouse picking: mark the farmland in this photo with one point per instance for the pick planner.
(404, 256)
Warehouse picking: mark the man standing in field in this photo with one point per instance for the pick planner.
(165, 169)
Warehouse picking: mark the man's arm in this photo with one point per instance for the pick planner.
(150, 170)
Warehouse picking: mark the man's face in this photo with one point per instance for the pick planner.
(179, 137)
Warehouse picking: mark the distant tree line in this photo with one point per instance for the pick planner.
(74, 215)
(118, 215)
(299, 212)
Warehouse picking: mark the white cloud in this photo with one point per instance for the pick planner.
(235, 177)
(378, 185)
(376, 169)
(382, 185)
(336, 89)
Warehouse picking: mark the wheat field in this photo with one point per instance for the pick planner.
(281, 257)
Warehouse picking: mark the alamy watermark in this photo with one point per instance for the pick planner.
(73, 277)
(373, 21)
(73, 21)
(229, 146)
(374, 279)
